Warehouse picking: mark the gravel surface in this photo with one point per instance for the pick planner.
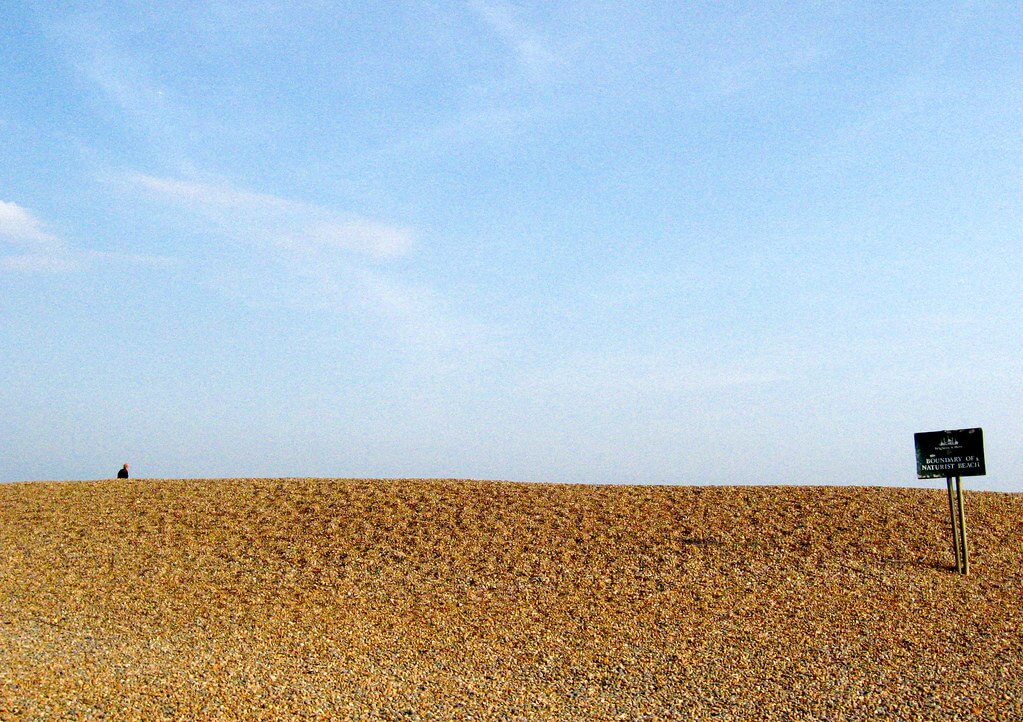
(425, 599)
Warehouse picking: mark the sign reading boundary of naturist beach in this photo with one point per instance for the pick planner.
(941, 454)
(952, 454)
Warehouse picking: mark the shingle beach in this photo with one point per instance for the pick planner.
(332, 599)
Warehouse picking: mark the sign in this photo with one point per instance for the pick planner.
(944, 454)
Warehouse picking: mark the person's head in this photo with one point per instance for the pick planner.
(126, 467)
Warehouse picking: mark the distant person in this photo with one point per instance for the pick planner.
(123, 473)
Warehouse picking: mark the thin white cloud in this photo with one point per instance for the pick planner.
(742, 75)
(19, 225)
(504, 19)
(372, 238)
(134, 259)
(126, 82)
(208, 196)
(40, 263)
(618, 377)
(303, 229)
(36, 250)
(308, 257)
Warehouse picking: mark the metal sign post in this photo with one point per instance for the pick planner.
(953, 455)
(955, 523)
(965, 568)
(957, 514)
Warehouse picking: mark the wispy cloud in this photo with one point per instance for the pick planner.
(40, 263)
(127, 85)
(740, 75)
(307, 256)
(208, 196)
(303, 229)
(534, 53)
(19, 225)
(36, 250)
(618, 378)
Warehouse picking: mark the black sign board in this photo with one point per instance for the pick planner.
(944, 454)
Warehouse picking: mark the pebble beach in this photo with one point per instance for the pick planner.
(406, 599)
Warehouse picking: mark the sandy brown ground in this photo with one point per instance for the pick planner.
(412, 599)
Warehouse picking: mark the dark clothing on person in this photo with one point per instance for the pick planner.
(122, 474)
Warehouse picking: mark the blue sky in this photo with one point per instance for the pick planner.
(694, 243)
